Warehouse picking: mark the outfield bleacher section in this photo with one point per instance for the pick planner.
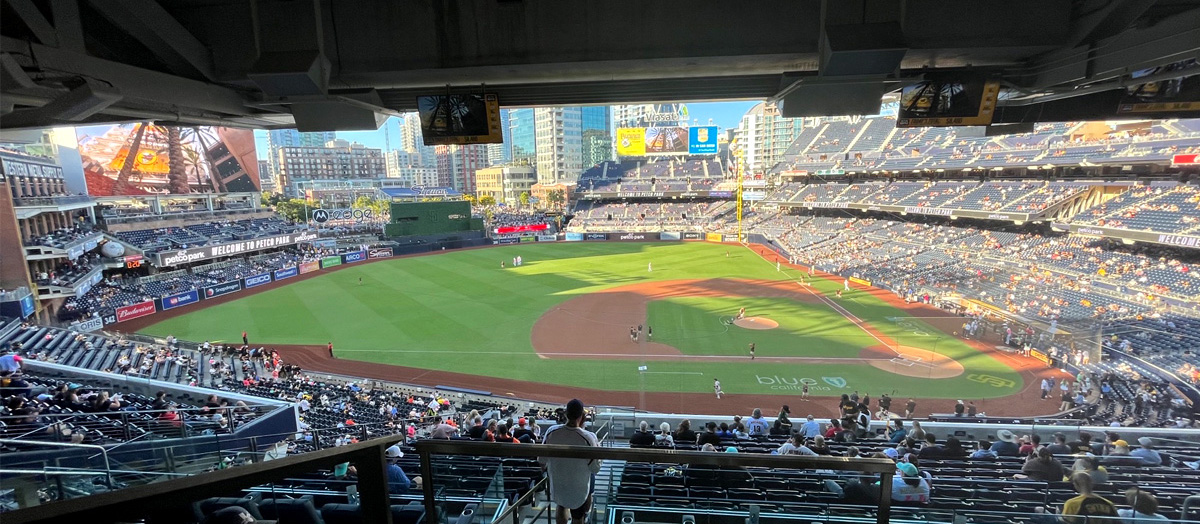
(152, 241)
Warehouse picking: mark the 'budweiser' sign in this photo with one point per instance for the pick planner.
(138, 310)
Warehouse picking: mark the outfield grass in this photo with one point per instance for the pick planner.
(461, 312)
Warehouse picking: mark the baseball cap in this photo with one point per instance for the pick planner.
(521, 421)
(574, 409)
(18, 358)
(907, 469)
(731, 449)
(891, 453)
(1145, 441)
(1121, 444)
(393, 452)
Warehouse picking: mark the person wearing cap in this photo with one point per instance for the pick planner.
(1146, 452)
(398, 482)
(1119, 455)
(908, 487)
(11, 363)
(571, 479)
(1043, 467)
(1007, 446)
(524, 433)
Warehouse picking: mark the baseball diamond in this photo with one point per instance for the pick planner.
(560, 324)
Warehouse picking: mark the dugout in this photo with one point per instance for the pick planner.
(431, 218)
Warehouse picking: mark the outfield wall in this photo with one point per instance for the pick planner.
(198, 296)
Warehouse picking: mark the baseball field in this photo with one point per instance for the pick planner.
(561, 324)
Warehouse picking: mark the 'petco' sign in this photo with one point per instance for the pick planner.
(135, 311)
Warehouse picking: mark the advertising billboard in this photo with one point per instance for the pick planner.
(595, 236)
(666, 140)
(632, 237)
(146, 158)
(286, 272)
(692, 235)
(257, 280)
(702, 140)
(631, 141)
(380, 253)
(354, 256)
(196, 254)
(309, 267)
(180, 299)
(573, 237)
(138, 310)
(528, 228)
(671, 235)
(223, 288)
(331, 261)
(26, 306)
(547, 238)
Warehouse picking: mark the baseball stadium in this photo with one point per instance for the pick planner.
(500, 262)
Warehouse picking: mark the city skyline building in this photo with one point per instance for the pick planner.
(559, 143)
(337, 160)
(502, 153)
(456, 165)
(522, 137)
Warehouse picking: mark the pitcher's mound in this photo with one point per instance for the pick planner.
(756, 323)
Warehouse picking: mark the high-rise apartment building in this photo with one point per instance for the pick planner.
(559, 138)
(456, 165)
(522, 137)
(596, 135)
(402, 166)
(337, 160)
(278, 138)
(413, 143)
(502, 153)
(763, 136)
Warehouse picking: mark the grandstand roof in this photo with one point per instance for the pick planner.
(275, 66)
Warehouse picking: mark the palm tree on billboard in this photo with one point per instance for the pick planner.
(176, 162)
(201, 138)
(122, 186)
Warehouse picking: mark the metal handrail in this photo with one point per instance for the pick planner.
(514, 508)
(103, 452)
(427, 448)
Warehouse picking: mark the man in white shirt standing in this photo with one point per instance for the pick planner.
(571, 479)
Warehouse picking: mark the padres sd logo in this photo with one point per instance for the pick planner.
(990, 380)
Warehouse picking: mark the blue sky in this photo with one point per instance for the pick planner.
(723, 115)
